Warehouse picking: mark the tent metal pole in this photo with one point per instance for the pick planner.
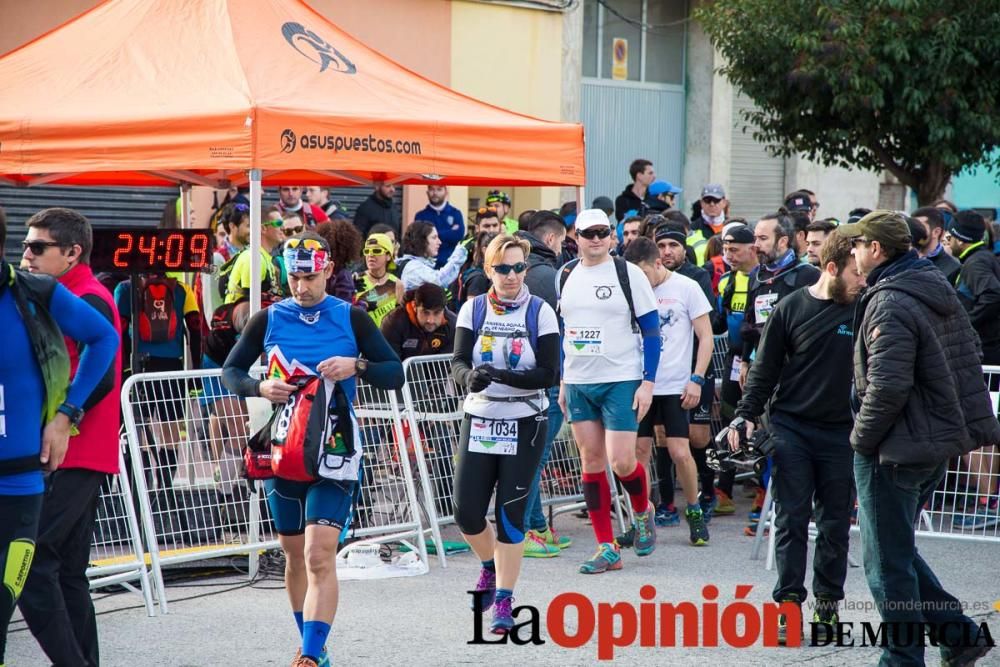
(256, 193)
(580, 199)
(189, 278)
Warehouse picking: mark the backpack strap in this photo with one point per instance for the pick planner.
(621, 268)
(478, 314)
(563, 277)
(531, 320)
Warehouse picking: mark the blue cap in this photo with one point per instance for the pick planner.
(657, 188)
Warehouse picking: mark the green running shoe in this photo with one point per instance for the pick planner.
(645, 533)
(696, 522)
(608, 557)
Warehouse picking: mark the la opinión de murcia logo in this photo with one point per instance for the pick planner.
(316, 49)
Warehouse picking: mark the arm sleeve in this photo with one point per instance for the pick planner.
(766, 369)
(649, 324)
(892, 353)
(461, 358)
(247, 350)
(107, 382)
(385, 370)
(748, 327)
(85, 325)
(545, 372)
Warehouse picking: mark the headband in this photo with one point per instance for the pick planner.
(304, 260)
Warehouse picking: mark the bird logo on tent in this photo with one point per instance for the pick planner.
(316, 49)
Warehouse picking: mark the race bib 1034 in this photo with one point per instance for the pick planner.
(493, 436)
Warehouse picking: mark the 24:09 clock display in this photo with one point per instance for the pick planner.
(145, 250)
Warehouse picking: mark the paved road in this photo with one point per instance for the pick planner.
(426, 620)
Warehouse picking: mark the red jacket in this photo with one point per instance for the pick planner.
(96, 447)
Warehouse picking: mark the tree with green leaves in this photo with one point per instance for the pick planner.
(910, 86)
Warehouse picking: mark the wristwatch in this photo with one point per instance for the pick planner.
(74, 413)
(698, 380)
(360, 367)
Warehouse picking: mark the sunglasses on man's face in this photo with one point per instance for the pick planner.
(596, 233)
(292, 231)
(39, 247)
(504, 269)
(710, 200)
(377, 251)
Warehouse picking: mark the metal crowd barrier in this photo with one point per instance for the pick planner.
(116, 553)
(185, 434)
(433, 407)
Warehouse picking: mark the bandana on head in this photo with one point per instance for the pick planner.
(304, 260)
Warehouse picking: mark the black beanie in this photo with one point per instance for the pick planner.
(968, 226)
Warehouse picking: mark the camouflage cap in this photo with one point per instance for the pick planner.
(889, 228)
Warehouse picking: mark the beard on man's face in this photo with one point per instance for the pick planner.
(841, 293)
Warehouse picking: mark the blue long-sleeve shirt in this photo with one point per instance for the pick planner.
(450, 225)
(22, 392)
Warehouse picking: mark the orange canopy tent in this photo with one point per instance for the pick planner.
(219, 93)
(200, 91)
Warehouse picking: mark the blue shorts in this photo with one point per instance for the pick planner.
(212, 389)
(607, 402)
(294, 505)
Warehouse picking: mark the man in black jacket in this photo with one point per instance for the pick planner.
(920, 401)
(379, 208)
(804, 360)
(978, 282)
(421, 325)
(631, 198)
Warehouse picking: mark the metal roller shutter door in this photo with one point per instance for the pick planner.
(756, 178)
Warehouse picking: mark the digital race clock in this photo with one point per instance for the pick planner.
(147, 250)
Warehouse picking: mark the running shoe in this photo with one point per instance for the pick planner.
(756, 506)
(535, 546)
(553, 538)
(825, 617)
(324, 658)
(725, 504)
(666, 515)
(699, 531)
(708, 507)
(626, 540)
(783, 624)
(503, 616)
(304, 662)
(488, 583)
(983, 517)
(645, 532)
(608, 557)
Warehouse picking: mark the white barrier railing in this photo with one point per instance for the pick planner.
(185, 434)
(116, 553)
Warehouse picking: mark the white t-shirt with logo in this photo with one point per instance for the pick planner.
(505, 342)
(679, 301)
(598, 342)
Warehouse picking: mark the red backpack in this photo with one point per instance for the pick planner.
(157, 310)
(311, 436)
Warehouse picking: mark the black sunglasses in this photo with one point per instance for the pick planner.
(710, 200)
(504, 269)
(39, 247)
(595, 233)
(292, 231)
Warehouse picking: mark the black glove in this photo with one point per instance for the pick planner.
(479, 379)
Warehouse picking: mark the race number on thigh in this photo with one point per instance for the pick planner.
(585, 341)
(493, 436)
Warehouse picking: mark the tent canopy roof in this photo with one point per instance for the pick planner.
(200, 91)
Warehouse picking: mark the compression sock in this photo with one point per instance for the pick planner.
(489, 565)
(298, 620)
(706, 476)
(726, 480)
(665, 477)
(503, 593)
(635, 484)
(597, 495)
(314, 634)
